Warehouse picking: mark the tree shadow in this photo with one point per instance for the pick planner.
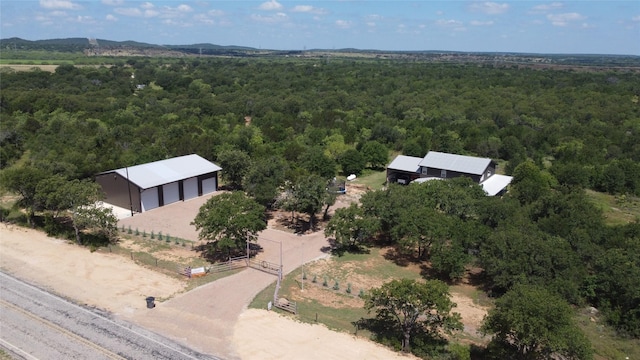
(401, 259)
(212, 254)
(385, 331)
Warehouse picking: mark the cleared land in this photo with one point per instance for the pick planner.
(208, 318)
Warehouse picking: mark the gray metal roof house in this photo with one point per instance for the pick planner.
(148, 186)
(439, 165)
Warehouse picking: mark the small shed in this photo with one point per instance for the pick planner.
(151, 185)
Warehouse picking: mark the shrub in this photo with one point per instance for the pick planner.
(129, 231)
(315, 279)
(336, 286)
(349, 288)
(325, 282)
(459, 351)
(153, 236)
(144, 233)
(159, 235)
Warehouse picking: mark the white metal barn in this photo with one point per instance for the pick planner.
(148, 186)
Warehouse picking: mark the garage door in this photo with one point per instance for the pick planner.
(171, 193)
(190, 188)
(209, 185)
(149, 198)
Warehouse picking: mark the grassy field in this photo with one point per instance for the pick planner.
(617, 209)
(604, 340)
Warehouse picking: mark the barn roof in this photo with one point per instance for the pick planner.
(167, 171)
(452, 162)
(405, 163)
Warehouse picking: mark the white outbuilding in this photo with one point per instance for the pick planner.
(151, 185)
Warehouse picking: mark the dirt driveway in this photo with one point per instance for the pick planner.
(205, 317)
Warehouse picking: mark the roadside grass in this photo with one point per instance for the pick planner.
(617, 209)
(4, 355)
(606, 343)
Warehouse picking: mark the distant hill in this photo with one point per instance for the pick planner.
(102, 47)
(80, 44)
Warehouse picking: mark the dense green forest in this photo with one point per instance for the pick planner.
(270, 122)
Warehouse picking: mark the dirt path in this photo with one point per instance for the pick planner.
(205, 317)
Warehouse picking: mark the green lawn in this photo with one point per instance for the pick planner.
(375, 180)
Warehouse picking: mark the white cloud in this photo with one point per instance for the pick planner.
(343, 24)
(210, 17)
(309, 9)
(59, 4)
(636, 18)
(480, 23)
(135, 12)
(184, 8)
(113, 2)
(151, 13)
(85, 19)
(271, 19)
(547, 7)
(489, 7)
(270, 5)
(110, 17)
(543, 8)
(564, 19)
(147, 5)
(448, 23)
(203, 18)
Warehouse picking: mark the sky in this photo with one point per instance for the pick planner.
(550, 27)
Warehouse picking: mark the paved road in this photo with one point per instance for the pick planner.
(35, 324)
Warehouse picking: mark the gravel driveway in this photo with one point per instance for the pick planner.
(204, 318)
